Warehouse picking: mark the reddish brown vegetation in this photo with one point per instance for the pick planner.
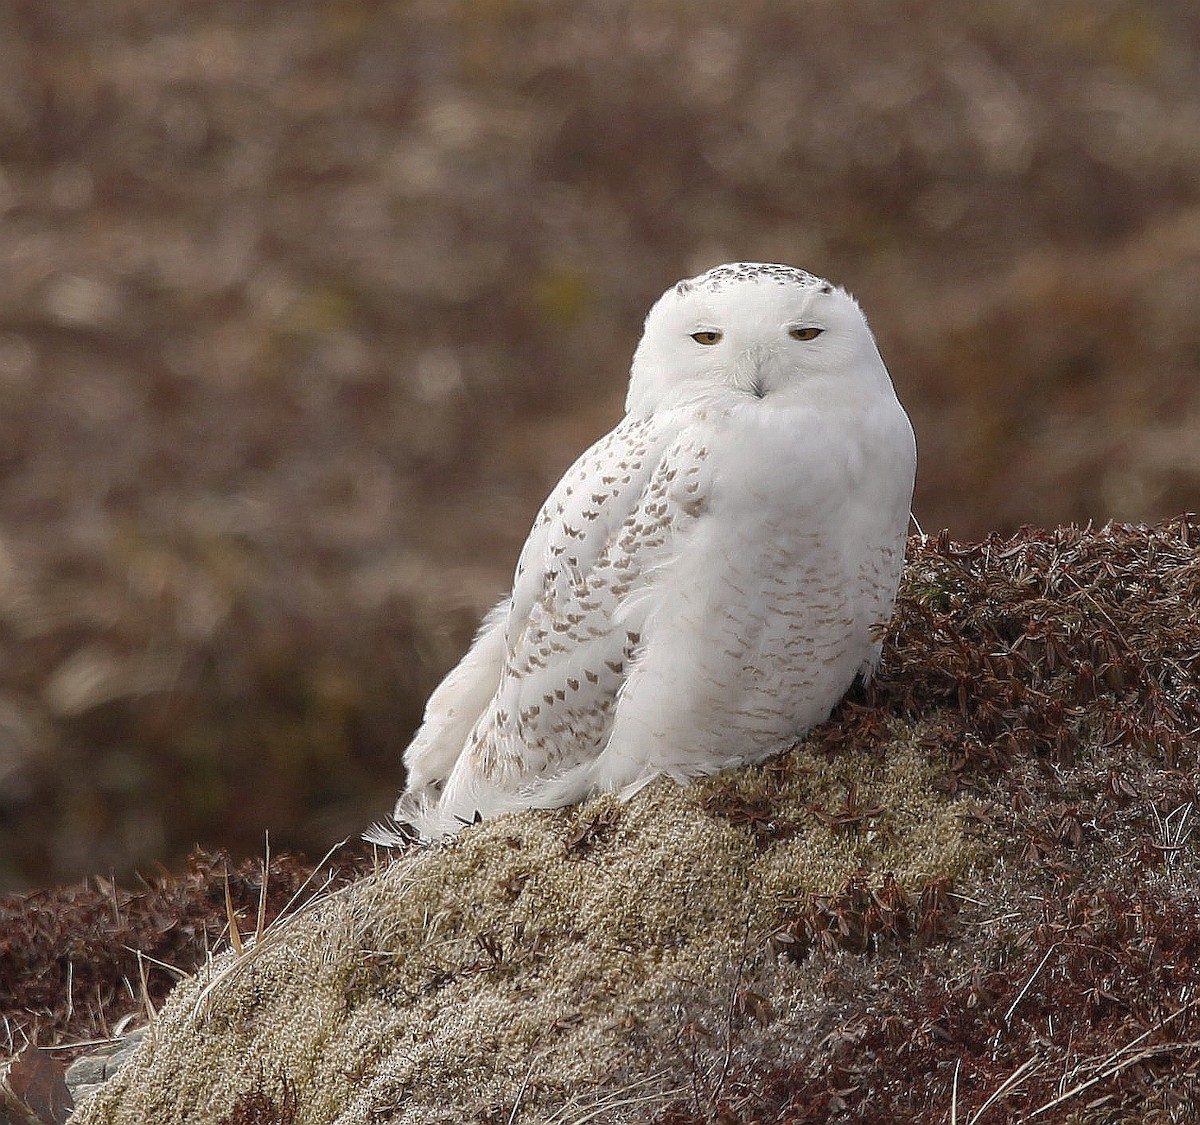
(863, 919)
(1098, 1002)
(1057, 675)
(1019, 645)
(263, 1106)
(69, 966)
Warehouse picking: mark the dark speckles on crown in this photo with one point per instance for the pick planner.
(719, 277)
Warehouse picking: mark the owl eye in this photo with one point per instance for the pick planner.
(707, 338)
(805, 333)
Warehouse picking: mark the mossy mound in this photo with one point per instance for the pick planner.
(546, 961)
(973, 893)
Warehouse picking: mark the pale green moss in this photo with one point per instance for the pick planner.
(510, 965)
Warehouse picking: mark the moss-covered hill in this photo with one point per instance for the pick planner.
(972, 892)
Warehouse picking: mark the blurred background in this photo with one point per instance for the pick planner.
(304, 306)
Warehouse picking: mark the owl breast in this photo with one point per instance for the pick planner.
(786, 579)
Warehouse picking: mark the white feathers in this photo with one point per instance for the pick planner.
(705, 582)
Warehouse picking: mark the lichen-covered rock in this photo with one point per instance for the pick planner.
(88, 1073)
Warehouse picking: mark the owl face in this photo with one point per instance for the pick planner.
(751, 331)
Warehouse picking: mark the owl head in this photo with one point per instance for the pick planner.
(752, 331)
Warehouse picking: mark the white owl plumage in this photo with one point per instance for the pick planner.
(706, 581)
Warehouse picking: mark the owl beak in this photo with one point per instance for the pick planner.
(748, 375)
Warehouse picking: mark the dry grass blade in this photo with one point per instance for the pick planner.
(147, 1003)
(246, 955)
(1175, 829)
(1029, 983)
(1113, 1064)
(166, 966)
(1028, 1067)
(620, 1104)
(521, 1092)
(287, 907)
(235, 934)
(260, 924)
(954, 1093)
(618, 1099)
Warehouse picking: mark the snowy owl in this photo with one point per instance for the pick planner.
(706, 581)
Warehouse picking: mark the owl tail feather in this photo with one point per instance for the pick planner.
(431, 813)
(427, 816)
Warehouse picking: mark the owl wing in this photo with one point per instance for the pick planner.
(557, 652)
(574, 529)
(455, 706)
(577, 524)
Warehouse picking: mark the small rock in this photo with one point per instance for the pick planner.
(87, 1074)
